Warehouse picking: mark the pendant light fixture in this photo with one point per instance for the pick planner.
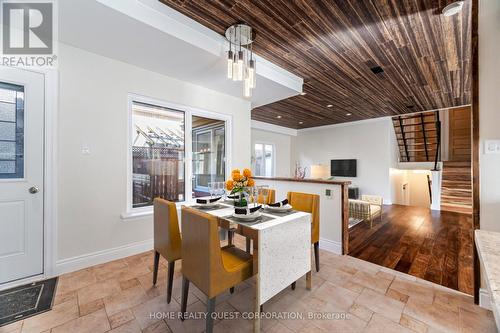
(240, 61)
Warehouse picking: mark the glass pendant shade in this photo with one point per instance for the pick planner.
(247, 91)
(240, 66)
(230, 58)
(251, 73)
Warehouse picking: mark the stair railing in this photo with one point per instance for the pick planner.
(438, 146)
(424, 135)
(404, 138)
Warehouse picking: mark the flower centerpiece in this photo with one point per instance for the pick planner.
(236, 185)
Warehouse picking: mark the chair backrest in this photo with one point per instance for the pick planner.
(271, 197)
(201, 253)
(373, 199)
(167, 238)
(308, 203)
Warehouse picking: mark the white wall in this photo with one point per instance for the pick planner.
(93, 111)
(371, 142)
(282, 145)
(489, 111)
(330, 208)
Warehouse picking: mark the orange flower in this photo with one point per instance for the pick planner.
(251, 182)
(236, 176)
(247, 173)
(236, 171)
(229, 185)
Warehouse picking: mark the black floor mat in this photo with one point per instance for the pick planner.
(25, 301)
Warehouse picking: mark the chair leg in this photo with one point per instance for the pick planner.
(185, 291)
(230, 235)
(155, 269)
(316, 255)
(248, 240)
(293, 285)
(210, 320)
(231, 290)
(170, 282)
(371, 222)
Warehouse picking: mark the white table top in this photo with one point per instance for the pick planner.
(228, 210)
(488, 248)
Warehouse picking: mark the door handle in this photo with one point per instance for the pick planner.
(33, 189)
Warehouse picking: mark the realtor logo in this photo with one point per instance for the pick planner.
(27, 28)
(29, 32)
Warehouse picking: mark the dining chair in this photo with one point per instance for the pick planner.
(271, 197)
(308, 203)
(209, 267)
(167, 239)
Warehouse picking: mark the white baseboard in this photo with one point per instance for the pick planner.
(484, 298)
(330, 246)
(100, 257)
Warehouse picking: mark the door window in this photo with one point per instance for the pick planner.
(11, 131)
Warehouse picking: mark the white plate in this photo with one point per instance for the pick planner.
(248, 217)
(284, 208)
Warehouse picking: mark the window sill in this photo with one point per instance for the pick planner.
(138, 213)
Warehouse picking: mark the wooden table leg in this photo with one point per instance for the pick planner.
(309, 280)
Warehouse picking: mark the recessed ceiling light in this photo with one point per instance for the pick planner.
(329, 106)
(453, 8)
(279, 117)
(303, 93)
(301, 122)
(348, 114)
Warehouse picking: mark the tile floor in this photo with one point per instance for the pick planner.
(349, 295)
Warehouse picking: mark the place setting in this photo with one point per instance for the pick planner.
(215, 201)
(282, 208)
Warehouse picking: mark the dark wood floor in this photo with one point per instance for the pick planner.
(433, 245)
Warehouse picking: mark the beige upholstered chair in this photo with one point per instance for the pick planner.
(366, 209)
(167, 239)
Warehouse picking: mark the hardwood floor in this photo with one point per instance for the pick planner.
(432, 245)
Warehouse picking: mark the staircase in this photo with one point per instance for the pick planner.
(418, 136)
(456, 187)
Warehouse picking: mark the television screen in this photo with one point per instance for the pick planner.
(343, 168)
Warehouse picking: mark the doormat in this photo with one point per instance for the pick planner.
(25, 301)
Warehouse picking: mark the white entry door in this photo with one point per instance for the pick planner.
(21, 173)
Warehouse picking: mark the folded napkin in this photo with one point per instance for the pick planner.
(279, 204)
(205, 201)
(246, 211)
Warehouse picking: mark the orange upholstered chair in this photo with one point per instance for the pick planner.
(308, 203)
(211, 268)
(167, 239)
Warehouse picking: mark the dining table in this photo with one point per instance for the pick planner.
(281, 247)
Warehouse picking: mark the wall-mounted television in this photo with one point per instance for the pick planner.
(343, 168)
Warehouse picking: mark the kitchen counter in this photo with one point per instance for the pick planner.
(488, 248)
(307, 180)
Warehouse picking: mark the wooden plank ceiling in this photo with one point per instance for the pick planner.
(333, 44)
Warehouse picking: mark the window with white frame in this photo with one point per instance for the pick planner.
(264, 159)
(174, 151)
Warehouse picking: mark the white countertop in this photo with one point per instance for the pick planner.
(488, 247)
